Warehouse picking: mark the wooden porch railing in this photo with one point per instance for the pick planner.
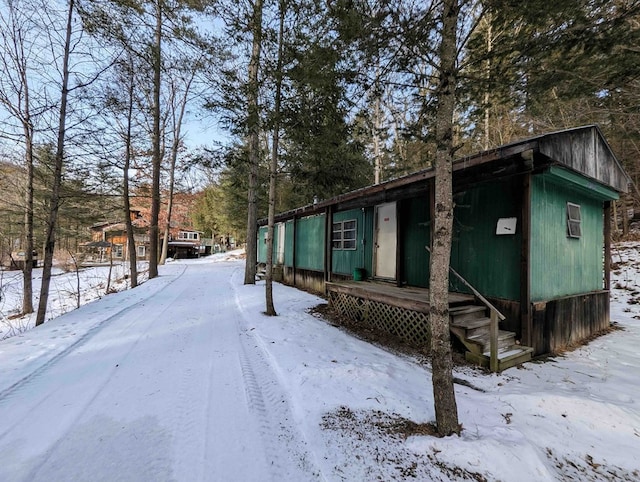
(495, 316)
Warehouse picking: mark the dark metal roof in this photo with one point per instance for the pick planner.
(581, 149)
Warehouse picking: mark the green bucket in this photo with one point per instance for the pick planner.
(359, 274)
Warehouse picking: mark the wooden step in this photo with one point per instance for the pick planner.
(472, 327)
(515, 355)
(472, 323)
(454, 309)
(481, 343)
(468, 312)
(469, 323)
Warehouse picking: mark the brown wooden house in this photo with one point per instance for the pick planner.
(109, 241)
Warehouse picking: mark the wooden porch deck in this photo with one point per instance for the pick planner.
(407, 297)
(405, 312)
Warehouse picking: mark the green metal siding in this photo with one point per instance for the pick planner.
(262, 244)
(310, 243)
(344, 261)
(288, 243)
(490, 262)
(415, 235)
(560, 265)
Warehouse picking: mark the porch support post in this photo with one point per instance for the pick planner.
(525, 258)
(494, 365)
(399, 244)
(328, 251)
(607, 245)
(293, 247)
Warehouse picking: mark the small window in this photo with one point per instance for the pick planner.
(344, 234)
(336, 237)
(574, 219)
(349, 234)
(141, 251)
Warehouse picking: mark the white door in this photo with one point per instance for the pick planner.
(386, 241)
(280, 246)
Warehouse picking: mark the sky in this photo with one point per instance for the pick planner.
(185, 379)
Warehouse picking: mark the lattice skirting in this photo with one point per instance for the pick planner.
(412, 326)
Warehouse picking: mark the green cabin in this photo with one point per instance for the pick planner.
(531, 234)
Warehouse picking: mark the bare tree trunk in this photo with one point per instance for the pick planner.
(616, 230)
(108, 288)
(27, 271)
(133, 260)
(487, 91)
(133, 256)
(175, 147)
(273, 168)
(625, 216)
(254, 146)
(17, 101)
(57, 176)
(167, 225)
(156, 151)
(442, 365)
(76, 268)
(377, 127)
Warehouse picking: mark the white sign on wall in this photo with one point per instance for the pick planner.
(506, 226)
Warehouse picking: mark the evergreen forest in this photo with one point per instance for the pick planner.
(110, 105)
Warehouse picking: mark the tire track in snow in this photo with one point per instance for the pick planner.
(274, 417)
(269, 401)
(36, 472)
(83, 339)
(193, 389)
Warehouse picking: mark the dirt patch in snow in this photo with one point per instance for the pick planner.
(588, 469)
(391, 425)
(380, 438)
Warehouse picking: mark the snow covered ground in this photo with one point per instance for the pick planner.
(185, 379)
(66, 290)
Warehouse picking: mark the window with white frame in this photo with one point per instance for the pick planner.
(117, 250)
(344, 234)
(141, 251)
(187, 235)
(574, 220)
